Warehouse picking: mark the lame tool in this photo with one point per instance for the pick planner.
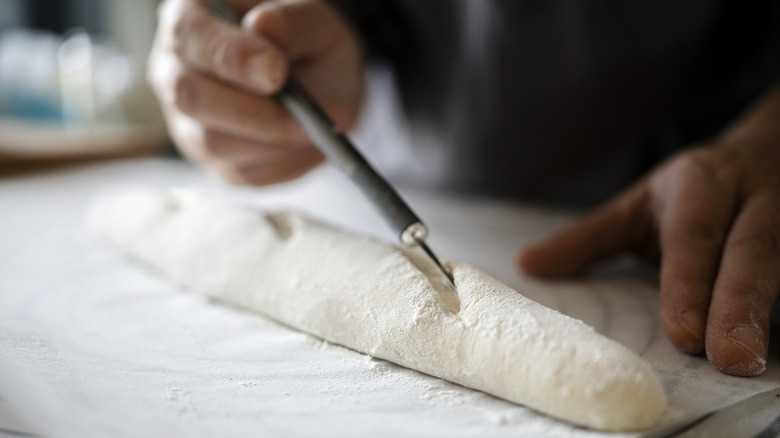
(340, 151)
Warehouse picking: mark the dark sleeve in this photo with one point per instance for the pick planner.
(380, 24)
(739, 64)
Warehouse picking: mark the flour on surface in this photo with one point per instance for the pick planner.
(387, 302)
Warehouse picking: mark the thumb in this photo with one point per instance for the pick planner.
(301, 28)
(619, 225)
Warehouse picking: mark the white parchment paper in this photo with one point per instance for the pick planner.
(94, 345)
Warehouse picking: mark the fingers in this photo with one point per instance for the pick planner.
(209, 146)
(322, 50)
(694, 219)
(301, 28)
(746, 289)
(240, 160)
(620, 225)
(215, 47)
(717, 215)
(224, 108)
(282, 169)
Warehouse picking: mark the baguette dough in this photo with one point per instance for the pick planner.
(387, 302)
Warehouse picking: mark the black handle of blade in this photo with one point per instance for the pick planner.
(340, 151)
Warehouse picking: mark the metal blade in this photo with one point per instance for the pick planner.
(435, 259)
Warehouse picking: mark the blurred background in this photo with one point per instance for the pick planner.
(72, 80)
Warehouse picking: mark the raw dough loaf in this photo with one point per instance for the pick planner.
(387, 302)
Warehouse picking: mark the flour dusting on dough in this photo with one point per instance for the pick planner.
(384, 301)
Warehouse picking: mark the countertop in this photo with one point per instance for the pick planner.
(92, 344)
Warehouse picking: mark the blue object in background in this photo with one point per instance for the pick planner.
(32, 25)
(29, 82)
(30, 108)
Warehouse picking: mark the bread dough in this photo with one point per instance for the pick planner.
(385, 301)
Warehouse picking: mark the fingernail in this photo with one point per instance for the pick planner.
(750, 339)
(693, 322)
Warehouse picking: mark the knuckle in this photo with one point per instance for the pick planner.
(182, 30)
(177, 36)
(231, 58)
(159, 71)
(230, 173)
(248, 176)
(192, 139)
(702, 233)
(152, 74)
(185, 92)
(211, 144)
(713, 164)
(186, 135)
(163, 75)
(219, 56)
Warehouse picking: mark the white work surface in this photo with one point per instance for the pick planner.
(92, 344)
